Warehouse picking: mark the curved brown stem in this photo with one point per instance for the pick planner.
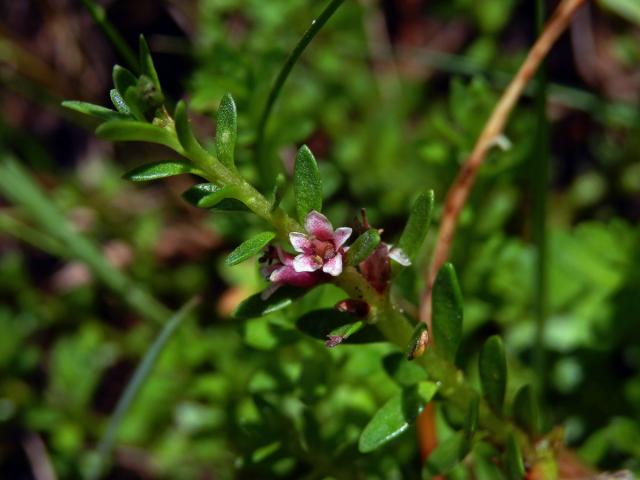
(461, 187)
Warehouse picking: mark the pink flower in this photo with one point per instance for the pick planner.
(321, 248)
(376, 269)
(280, 271)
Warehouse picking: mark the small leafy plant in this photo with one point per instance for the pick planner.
(300, 250)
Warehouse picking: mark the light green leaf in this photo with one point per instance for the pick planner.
(493, 372)
(417, 226)
(249, 248)
(208, 195)
(392, 419)
(226, 130)
(447, 312)
(307, 185)
(364, 246)
(153, 171)
(146, 63)
(93, 110)
(185, 134)
(133, 131)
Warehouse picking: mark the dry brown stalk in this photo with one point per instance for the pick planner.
(461, 187)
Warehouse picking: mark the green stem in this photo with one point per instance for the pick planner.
(100, 18)
(540, 184)
(135, 384)
(17, 185)
(311, 32)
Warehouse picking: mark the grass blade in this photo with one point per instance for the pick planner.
(135, 384)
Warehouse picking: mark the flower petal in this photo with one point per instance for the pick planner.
(300, 242)
(285, 257)
(341, 235)
(307, 263)
(288, 276)
(318, 225)
(399, 256)
(333, 266)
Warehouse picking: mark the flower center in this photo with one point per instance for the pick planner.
(324, 250)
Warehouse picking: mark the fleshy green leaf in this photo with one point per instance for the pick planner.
(93, 110)
(133, 131)
(153, 171)
(322, 323)
(146, 63)
(393, 418)
(123, 79)
(446, 456)
(208, 195)
(255, 306)
(249, 248)
(135, 103)
(185, 135)
(514, 463)
(525, 409)
(307, 185)
(471, 421)
(417, 226)
(119, 102)
(493, 372)
(402, 371)
(447, 312)
(226, 130)
(364, 246)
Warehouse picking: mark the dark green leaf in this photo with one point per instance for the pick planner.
(392, 419)
(146, 63)
(447, 312)
(513, 460)
(93, 110)
(226, 130)
(249, 248)
(132, 131)
(119, 102)
(402, 371)
(493, 372)
(153, 171)
(471, 422)
(446, 455)
(255, 306)
(322, 323)
(417, 226)
(418, 342)
(307, 185)
(135, 103)
(364, 246)
(525, 409)
(208, 195)
(123, 79)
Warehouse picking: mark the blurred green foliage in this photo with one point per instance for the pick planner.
(256, 398)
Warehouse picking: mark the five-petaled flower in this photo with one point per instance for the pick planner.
(321, 248)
